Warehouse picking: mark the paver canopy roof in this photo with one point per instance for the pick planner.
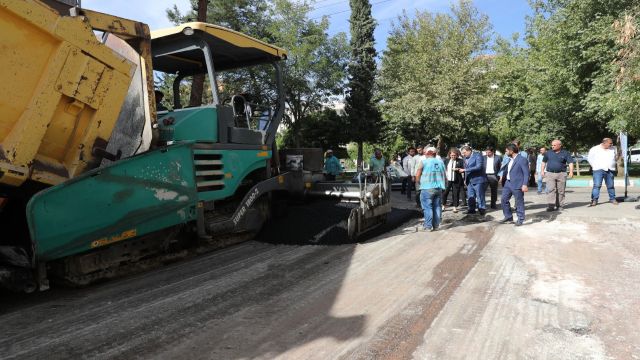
(230, 49)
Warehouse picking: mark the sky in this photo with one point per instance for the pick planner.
(507, 16)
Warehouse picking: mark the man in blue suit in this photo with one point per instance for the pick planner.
(476, 180)
(517, 178)
(506, 159)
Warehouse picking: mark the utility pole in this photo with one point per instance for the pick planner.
(197, 85)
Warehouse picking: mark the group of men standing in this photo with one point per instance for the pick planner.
(415, 156)
(432, 177)
(476, 172)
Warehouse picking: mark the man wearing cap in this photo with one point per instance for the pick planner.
(476, 179)
(430, 179)
(377, 162)
(332, 166)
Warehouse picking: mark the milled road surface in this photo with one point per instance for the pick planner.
(564, 286)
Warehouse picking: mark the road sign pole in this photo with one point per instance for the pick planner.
(625, 151)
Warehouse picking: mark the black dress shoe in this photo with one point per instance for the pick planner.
(494, 207)
(470, 212)
(551, 208)
(482, 211)
(506, 221)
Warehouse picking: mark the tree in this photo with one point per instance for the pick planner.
(197, 86)
(315, 69)
(625, 101)
(364, 117)
(246, 16)
(567, 89)
(435, 78)
(322, 129)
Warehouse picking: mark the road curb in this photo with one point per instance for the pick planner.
(589, 183)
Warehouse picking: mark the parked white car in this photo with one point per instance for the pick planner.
(634, 155)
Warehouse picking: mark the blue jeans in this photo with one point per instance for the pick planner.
(511, 190)
(431, 200)
(542, 186)
(475, 194)
(598, 175)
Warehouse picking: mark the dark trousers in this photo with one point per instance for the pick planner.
(493, 184)
(509, 190)
(454, 188)
(407, 186)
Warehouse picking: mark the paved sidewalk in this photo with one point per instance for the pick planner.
(618, 183)
(563, 286)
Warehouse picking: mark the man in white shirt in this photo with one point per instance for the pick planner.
(602, 159)
(493, 164)
(407, 166)
(414, 167)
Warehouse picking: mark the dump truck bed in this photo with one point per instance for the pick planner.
(60, 95)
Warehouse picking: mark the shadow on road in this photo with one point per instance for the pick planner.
(577, 204)
(256, 299)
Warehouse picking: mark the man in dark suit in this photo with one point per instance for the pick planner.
(493, 164)
(476, 180)
(517, 175)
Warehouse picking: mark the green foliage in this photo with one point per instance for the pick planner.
(322, 129)
(434, 80)
(564, 84)
(316, 65)
(364, 117)
(315, 69)
(246, 16)
(625, 101)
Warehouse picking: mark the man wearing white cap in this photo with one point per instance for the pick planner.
(430, 179)
(332, 166)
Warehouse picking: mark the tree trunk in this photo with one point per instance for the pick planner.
(619, 157)
(440, 145)
(359, 163)
(296, 139)
(197, 85)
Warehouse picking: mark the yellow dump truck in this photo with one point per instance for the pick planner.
(63, 89)
(83, 193)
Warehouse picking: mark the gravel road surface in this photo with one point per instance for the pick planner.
(564, 286)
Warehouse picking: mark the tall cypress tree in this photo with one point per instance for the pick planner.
(364, 117)
(197, 86)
